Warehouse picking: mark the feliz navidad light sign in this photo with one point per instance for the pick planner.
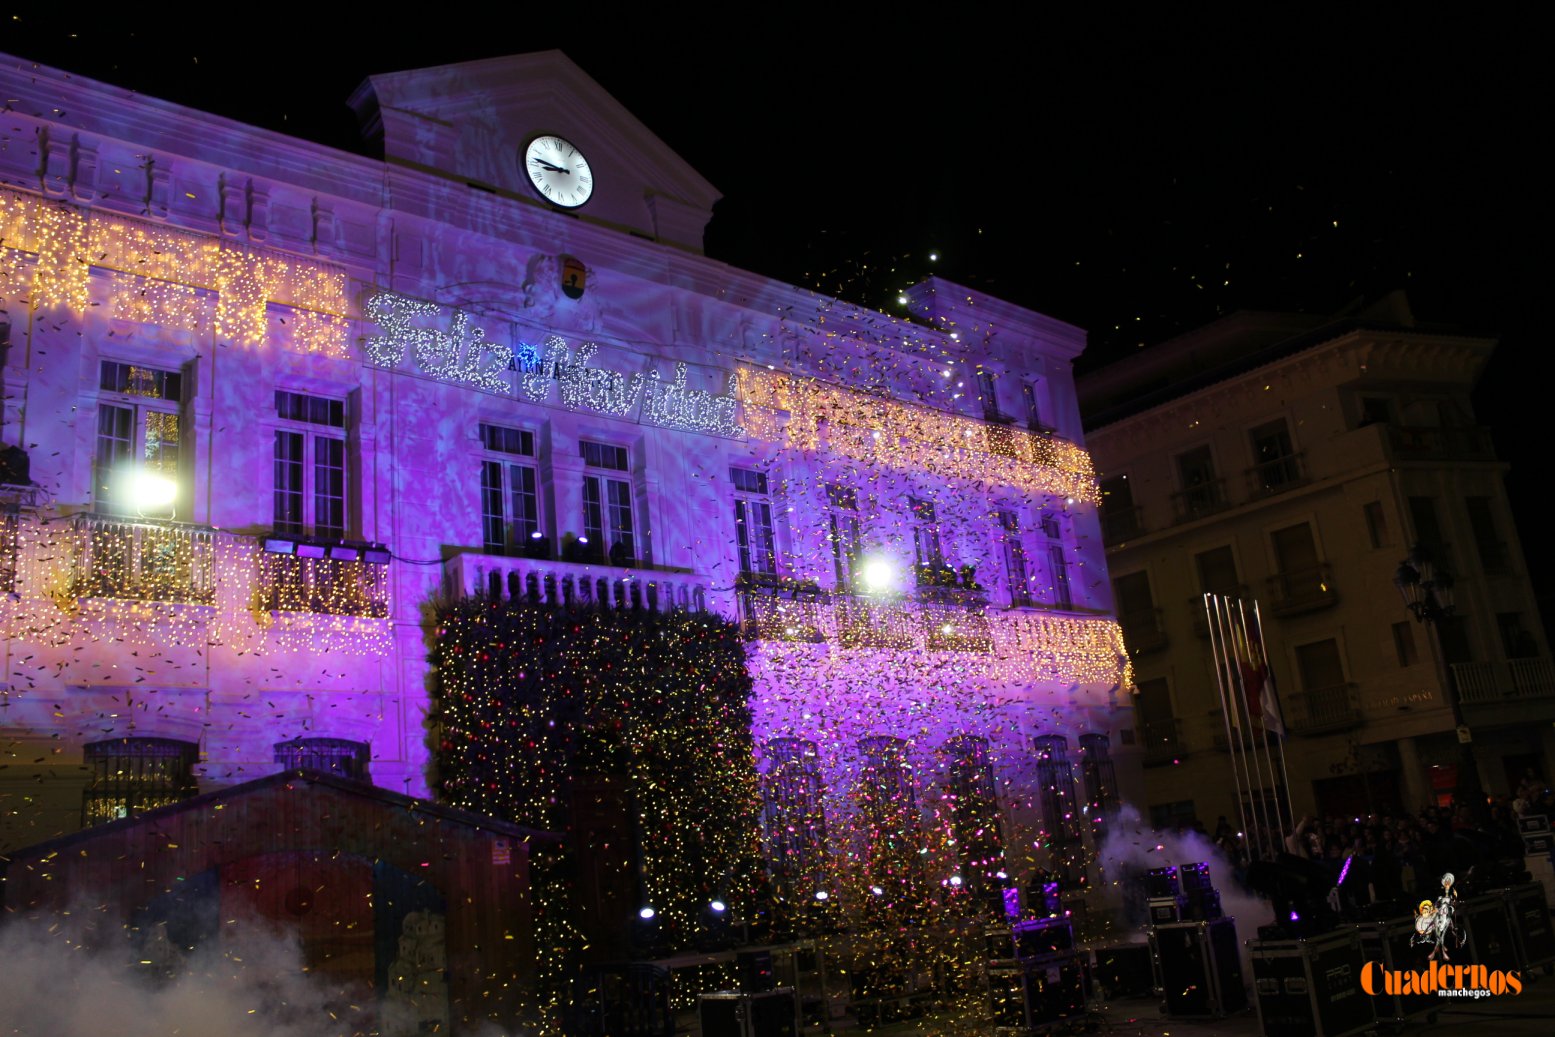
(460, 353)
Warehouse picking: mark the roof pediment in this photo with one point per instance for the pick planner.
(471, 121)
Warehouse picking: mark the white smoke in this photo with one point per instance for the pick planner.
(78, 975)
(1132, 848)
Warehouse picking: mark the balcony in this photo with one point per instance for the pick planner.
(1321, 710)
(1196, 502)
(1500, 682)
(874, 623)
(1120, 524)
(141, 560)
(1143, 630)
(324, 586)
(1276, 475)
(10, 524)
(1161, 740)
(546, 582)
(1466, 443)
(939, 585)
(772, 617)
(1302, 590)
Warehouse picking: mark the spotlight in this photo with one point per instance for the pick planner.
(955, 880)
(878, 575)
(537, 535)
(148, 490)
(719, 907)
(583, 540)
(877, 891)
(344, 552)
(279, 546)
(646, 913)
(821, 894)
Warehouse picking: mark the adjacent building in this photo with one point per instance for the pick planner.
(1296, 460)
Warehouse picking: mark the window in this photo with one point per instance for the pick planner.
(607, 506)
(1059, 595)
(1136, 610)
(131, 775)
(1014, 558)
(326, 755)
(1099, 776)
(1320, 666)
(1376, 523)
(1032, 393)
(843, 531)
(1404, 643)
(1200, 492)
(1275, 465)
(1217, 572)
(1119, 516)
(510, 497)
(310, 466)
(1376, 410)
(1055, 791)
(1153, 715)
(1490, 547)
(928, 556)
(974, 818)
(138, 431)
(793, 812)
(890, 810)
(988, 391)
(753, 522)
(1428, 531)
(1516, 641)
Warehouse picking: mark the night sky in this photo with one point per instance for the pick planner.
(1138, 178)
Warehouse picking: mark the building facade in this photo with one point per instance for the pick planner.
(271, 404)
(1296, 460)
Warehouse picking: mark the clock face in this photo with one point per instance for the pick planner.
(559, 171)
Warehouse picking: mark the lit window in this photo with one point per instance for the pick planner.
(310, 466)
(131, 775)
(138, 431)
(843, 531)
(1014, 558)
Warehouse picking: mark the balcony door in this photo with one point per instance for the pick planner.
(1295, 551)
(1217, 572)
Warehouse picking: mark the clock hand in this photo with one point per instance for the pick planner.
(547, 165)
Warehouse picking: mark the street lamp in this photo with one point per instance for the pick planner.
(1427, 593)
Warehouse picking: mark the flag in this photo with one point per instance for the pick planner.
(1257, 679)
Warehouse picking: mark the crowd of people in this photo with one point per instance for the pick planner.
(1398, 856)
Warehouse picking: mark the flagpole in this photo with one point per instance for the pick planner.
(1249, 753)
(1274, 693)
(1282, 820)
(1211, 602)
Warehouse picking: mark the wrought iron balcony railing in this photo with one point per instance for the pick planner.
(1195, 502)
(1143, 630)
(1302, 590)
(1276, 475)
(141, 560)
(1161, 740)
(324, 586)
(1119, 524)
(1319, 710)
(1467, 442)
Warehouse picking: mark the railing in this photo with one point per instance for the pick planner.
(1197, 501)
(1119, 524)
(141, 560)
(1302, 590)
(324, 586)
(1276, 475)
(1143, 630)
(1492, 682)
(1201, 617)
(1329, 708)
(1161, 740)
(10, 524)
(865, 622)
(1465, 442)
(547, 582)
